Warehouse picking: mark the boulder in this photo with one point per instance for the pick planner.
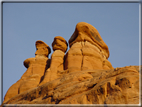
(59, 43)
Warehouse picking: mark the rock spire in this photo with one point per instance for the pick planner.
(82, 75)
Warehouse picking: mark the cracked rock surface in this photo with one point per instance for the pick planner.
(83, 75)
(114, 86)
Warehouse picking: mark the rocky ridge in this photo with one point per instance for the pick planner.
(83, 75)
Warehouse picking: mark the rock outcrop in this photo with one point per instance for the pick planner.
(59, 46)
(87, 50)
(36, 68)
(81, 76)
(114, 86)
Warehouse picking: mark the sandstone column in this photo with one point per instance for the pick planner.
(59, 46)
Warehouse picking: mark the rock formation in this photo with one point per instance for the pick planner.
(36, 67)
(87, 50)
(81, 76)
(59, 46)
(114, 86)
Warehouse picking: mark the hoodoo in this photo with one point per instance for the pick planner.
(83, 75)
(36, 67)
(87, 49)
(59, 46)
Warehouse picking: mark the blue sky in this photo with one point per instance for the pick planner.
(25, 23)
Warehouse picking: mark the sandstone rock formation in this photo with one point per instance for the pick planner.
(81, 76)
(59, 43)
(88, 50)
(59, 46)
(36, 67)
(114, 86)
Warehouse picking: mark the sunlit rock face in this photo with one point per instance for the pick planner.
(87, 50)
(59, 43)
(36, 68)
(83, 75)
(114, 86)
(59, 47)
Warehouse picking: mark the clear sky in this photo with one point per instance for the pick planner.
(25, 23)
